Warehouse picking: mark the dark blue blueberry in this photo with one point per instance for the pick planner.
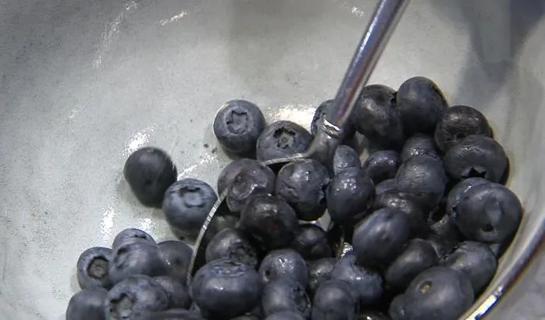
(284, 263)
(380, 237)
(285, 294)
(176, 290)
(186, 205)
(334, 300)
(345, 157)
(319, 115)
(319, 271)
(130, 235)
(137, 258)
(377, 118)
(437, 293)
(225, 289)
(457, 192)
(232, 244)
(282, 139)
(349, 195)
(92, 267)
(237, 126)
(270, 221)
(312, 242)
(476, 156)
(406, 204)
(173, 314)
(444, 235)
(425, 178)
(302, 183)
(87, 304)
(488, 213)
(382, 165)
(285, 315)
(417, 145)
(220, 222)
(418, 256)
(476, 260)
(247, 317)
(457, 123)
(149, 172)
(421, 105)
(176, 257)
(251, 180)
(373, 315)
(385, 186)
(366, 284)
(229, 173)
(134, 297)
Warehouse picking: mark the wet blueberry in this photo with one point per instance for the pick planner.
(176, 257)
(282, 139)
(270, 221)
(421, 105)
(345, 157)
(366, 284)
(149, 172)
(418, 256)
(418, 144)
(457, 192)
(334, 300)
(232, 244)
(457, 123)
(377, 118)
(380, 237)
(137, 258)
(349, 195)
(134, 297)
(476, 156)
(476, 260)
(373, 315)
(319, 271)
(229, 173)
(176, 290)
(130, 235)
(302, 184)
(385, 186)
(437, 293)
(406, 204)
(186, 205)
(312, 243)
(488, 213)
(284, 263)
(382, 165)
(87, 304)
(93, 265)
(225, 289)
(285, 294)
(251, 180)
(285, 315)
(237, 126)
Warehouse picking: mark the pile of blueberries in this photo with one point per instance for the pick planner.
(416, 230)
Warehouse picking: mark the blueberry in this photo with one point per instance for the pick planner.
(282, 139)
(349, 195)
(418, 256)
(417, 145)
(220, 222)
(250, 181)
(312, 242)
(320, 114)
(285, 315)
(176, 290)
(444, 235)
(319, 271)
(247, 317)
(382, 165)
(476, 156)
(424, 177)
(373, 315)
(476, 260)
(457, 123)
(385, 186)
(488, 213)
(229, 173)
(334, 301)
(130, 235)
(345, 157)
(232, 244)
(421, 105)
(149, 172)
(377, 118)
(173, 314)
(93, 268)
(406, 204)
(138, 258)
(186, 205)
(457, 192)
(87, 305)
(224, 289)
(285, 294)
(380, 237)
(135, 297)
(437, 293)
(176, 257)
(284, 263)
(270, 221)
(302, 183)
(237, 126)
